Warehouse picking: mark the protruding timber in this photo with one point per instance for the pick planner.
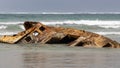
(36, 32)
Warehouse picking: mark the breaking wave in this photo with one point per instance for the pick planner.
(3, 27)
(7, 33)
(11, 23)
(108, 33)
(103, 24)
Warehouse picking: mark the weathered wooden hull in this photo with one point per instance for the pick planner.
(38, 33)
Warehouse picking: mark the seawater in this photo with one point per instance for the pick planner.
(57, 56)
(60, 55)
(101, 23)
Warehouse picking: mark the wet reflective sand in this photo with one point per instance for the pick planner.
(33, 56)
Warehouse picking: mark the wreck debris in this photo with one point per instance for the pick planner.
(36, 32)
(16, 37)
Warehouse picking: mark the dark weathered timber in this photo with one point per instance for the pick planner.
(36, 32)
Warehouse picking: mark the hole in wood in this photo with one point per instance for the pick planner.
(107, 45)
(28, 39)
(42, 28)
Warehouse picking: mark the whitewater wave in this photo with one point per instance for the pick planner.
(3, 27)
(103, 24)
(11, 23)
(8, 33)
(108, 33)
(22, 27)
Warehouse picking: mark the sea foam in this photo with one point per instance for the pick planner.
(108, 33)
(3, 27)
(103, 24)
(100, 23)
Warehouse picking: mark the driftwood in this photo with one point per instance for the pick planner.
(36, 32)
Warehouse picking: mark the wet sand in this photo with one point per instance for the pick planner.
(57, 56)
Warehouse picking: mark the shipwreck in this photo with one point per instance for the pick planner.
(36, 32)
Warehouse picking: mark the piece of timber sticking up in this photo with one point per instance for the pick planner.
(36, 32)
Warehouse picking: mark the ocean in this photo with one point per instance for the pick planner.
(107, 24)
(58, 55)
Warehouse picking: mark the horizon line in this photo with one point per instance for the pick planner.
(59, 12)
